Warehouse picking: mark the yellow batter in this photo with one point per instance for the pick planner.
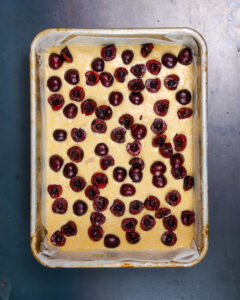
(150, 240)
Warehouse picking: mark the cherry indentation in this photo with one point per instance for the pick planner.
(92, 78)
(153, 85)
(103, 112)
(129, 224)
(170, 223)
(171, 82)
(108, 52)
(138, 70)
(134, 148)
(169, 238)
(100, 204)
(91, 192)
(95, 233)
(187, 217)
(136, 85)
(184, 113)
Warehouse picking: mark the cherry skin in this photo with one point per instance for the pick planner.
(169, 60)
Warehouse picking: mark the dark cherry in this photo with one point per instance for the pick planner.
(115, 98)
(97, 218)
(136, 98)
(161, 107)
(162, 212)
(137, 163)
(135, 207)
(54, 190)
(133, 237)
(55, 162)
(78, 134)
(126, 120)
(171, 82)
(146, 49)
(152, 203)
(177, 159)
(106, 161)
(103, 112)
(187, 217)
(153, 66)
(158, 168)
(169, 238)
(169, 60)
(127, 56)
(80, 207)
(173, 198)
(70, 111)
(184, 113)
(138, 131)
(60, 135)
(60, 206)
(180, 142)
(106, 79)
(69, 229)
(111, 241)
(98, 64)
(178, 172)
(109, 52)
(118, 135)
(170, 223)
(58, 239)
(120, 74)
(135, 174)
(119, 174)
(118, 208)
(88, 107)
(77, 183)
(92, 78)
(134, 148)
(153, 85)
(99, 126)
(188, 183)
(70, 170)
(66, 55)
(55, 61)
(99, 180)
(166, 150)
(127, 189)
(147, 222)
(158, 126)
(136, 85)
(101, 149)
(72, 76)
(95, 233)
(129, 224)
(91, 192)
(183, 97)
(77, 94)
(159, 140)
(185, 56)
(100, 204)
(75, 153)
(138, 70)
(54, 83)
(159, 181)
(56, 101)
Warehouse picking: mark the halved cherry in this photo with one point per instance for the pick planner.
(118, 208)
(70, 111)
(92, 78)
(177, 159)
(56, 101)
(58, 239)
(101, 149)
(69, 229)
(146, 49)
(136, 98)
(184, 113)
(100, 204)
(137, 163)
(115, 98)
(108, 52)
(106, 79)
(169, 238)
(59, 135)
(106, 161)
(161, 107)
(158, 168)
(118, 135)
(127, 56)
(178, 172)
(75, 153)
(103, 112)
(147, 222)
(171, 82)
(70, 170)
(183, 97)
(136, 85)
(134, 148)
(153, 85)
(72, 76)
(153, 66)
(138, 70)
(95, 233)
(77, 183)
(55, 61)
(119, 174)
(54, 83)
(185, 56)
(99, 126)
(99, 180)
(127, 190)
(129, 224)
(138, 131)
(97, 218)
(170, 223)
(135, 207)
(54, 190)
(88, 107)
(188, 183)
(111, 241)
(55, 162)
(60, 206)
(159, 140)
(120, 74)
(187, 217)
(135, 174)
(162, 212)
(77, 94)
(169, 60)
(78, 134)
(80, 207)
(166, 150)
(159, 181)
(66, 55)
(91, 192)
(133, 237)
(126, 121)
(98, 64)
(152, 203)
(180, 142)
(173, 198)
(159, 126)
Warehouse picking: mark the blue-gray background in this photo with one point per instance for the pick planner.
(218, 275)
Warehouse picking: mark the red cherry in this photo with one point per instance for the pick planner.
(54, 190)
(106, 79)
(77, 94)
(152, 203)
(146, 49)
(136, 85)
(120, 74)
(56, 101)
(171, 82)
(92, 78)
(127, 56)
(98, 64)
(118, 208)
(153, 66)
(169, 60)
(58, 239)
(55, 61)
(177, 159)
(178, 172)
(80, 207)
(99, 180)
(127, 190)
(77, 183)
(159, 140)
(97, 218)
(138, 131)
(75, 153)
(98, 126)
(91, 192)
(129, 224)
(135, 207)
(118, 135)
(162, 212)
(185, 56)
(108, 52)
(78, 134)
(161, 107)
(72, 76)
(69, 229)
(187, 217)
(138, 70)
(158, 168)
(88, 107)
(153, 85)
(95, 233)
(147, 222)
(126, 121)
(180, 142)
(103, 112)
(169, 238)
(166, 150)
(173, 198)
(106, 161)
(170, 223)
(158, 126)
(133, 237)
(66, 55)
(134, 148)
(159, 181)
(60, 206)
(100, 204)
(184, 113)
(188, 183)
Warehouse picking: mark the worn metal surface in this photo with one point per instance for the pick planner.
(218, 275)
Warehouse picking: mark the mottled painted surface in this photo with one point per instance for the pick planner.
(218, 275)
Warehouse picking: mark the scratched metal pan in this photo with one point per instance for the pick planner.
(185, 36)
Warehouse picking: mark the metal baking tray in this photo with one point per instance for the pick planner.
(103, 36)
